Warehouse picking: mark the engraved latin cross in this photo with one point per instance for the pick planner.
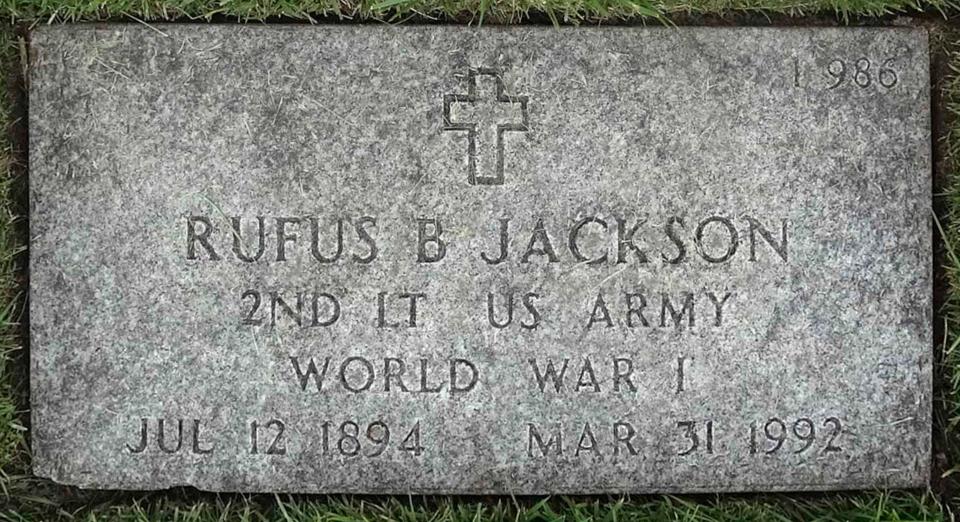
(486, 113)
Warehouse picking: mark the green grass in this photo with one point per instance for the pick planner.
(567, 11)
(876, 507)
(23, 497)
(13, 454)
(948, 225)
(208, 508)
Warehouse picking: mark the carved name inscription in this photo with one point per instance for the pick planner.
(437, 259)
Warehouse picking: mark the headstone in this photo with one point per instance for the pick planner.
(503, 260)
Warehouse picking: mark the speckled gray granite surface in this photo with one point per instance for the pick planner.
(511, 260)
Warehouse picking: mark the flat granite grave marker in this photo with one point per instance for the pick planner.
(502, 260)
